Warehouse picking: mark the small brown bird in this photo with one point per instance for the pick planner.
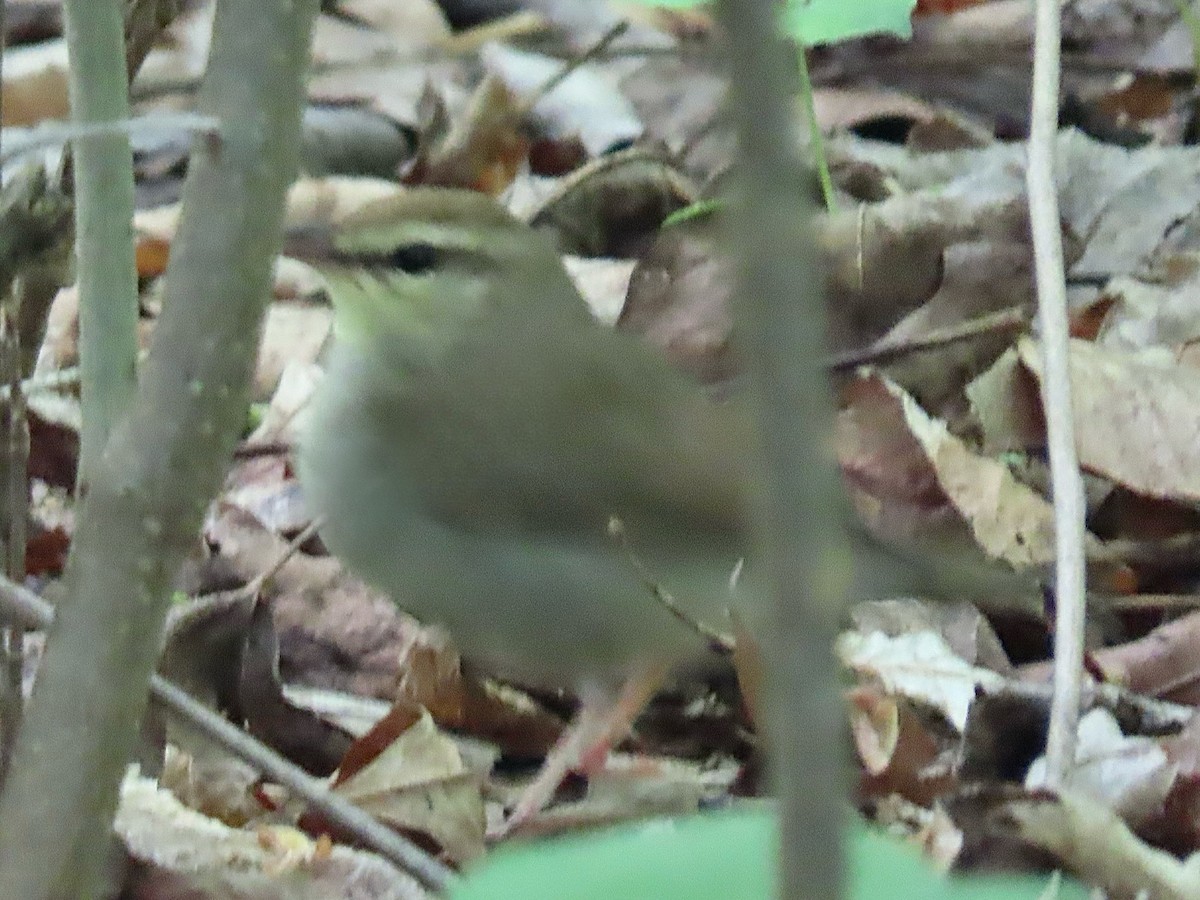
(477, 430)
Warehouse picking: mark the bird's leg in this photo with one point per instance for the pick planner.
(601, 724)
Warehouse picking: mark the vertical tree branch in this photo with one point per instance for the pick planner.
(781, 305)
(103, 166)
(162, 463)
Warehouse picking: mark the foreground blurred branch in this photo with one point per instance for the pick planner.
(162, 463)
(782, 312)
(103, 166)
(25, 608)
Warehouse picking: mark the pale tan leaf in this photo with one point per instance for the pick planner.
(420, 781)
(1137, 418)
(1010, 520)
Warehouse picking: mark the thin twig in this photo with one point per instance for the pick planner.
(1056, 396)
(52, 134)
(256, 449)
(1010, 319)
(255, 584)
(574, 64)
(366, 828)
(616, 530)
(25, 607)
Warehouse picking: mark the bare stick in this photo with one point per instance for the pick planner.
(1009, 319)
(576, 63)
(52, 134)
(1056, 396)
(256, 584)
(616, 529)
(780, 302)
(31, 611)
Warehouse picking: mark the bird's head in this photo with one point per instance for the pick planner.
(413, 269)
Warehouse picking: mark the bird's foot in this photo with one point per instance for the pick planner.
(584, 747)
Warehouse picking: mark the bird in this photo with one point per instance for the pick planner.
(478, 432)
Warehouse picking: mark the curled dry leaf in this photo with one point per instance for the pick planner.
(1010, 521)
(875, 725)
(910, 754)
(614, 206)
(919, 666)
(481, 151)
(434, 677)
(920, 482)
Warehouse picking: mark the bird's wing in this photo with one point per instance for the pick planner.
(587, 425)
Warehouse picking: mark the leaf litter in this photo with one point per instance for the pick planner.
(927, 239)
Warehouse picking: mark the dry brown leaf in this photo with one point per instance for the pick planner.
(1129, 774)
(333, 630)
(1095, 843)
(924, 484)
(679, 301)
(1010, 521)
(35, 84)
(908, 766)
(419, 782)
(483, 148)
(1137, 418)
(1163, 663)
(887, 259)
(324, 201)
(979, 279)
(184, 853)
(1139, 314)
(919, 666)
(433, 677)
(875, 727)
(1005, 403)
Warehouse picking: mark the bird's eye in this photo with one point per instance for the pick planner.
(415, 258)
